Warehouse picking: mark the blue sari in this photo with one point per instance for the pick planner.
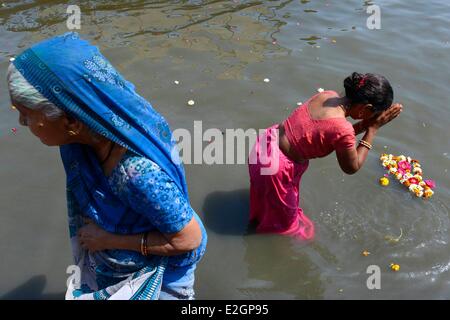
(78, 79)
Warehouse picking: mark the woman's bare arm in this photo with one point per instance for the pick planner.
(93, 238)
(361, 126)
(351, 160)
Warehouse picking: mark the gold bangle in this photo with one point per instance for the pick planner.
(365, 144)
(142, 244)
(144, 249)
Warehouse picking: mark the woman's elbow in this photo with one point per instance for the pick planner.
(194, 243)
(189, 238)
(351, 170)
(188, 244)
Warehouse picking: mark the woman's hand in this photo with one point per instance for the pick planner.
(93, 238)
(386, 116)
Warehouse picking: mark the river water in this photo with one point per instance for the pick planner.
(220, 52)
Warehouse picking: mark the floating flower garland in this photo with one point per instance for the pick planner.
(409, 173)
(394, 267)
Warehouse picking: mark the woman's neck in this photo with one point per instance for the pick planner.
(99, 143)
(344, 104)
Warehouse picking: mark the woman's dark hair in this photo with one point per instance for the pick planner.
(369, 88)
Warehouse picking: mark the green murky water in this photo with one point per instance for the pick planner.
(220, 52)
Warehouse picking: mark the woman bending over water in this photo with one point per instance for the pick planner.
(314, 130)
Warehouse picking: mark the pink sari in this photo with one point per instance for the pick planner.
(274, 198)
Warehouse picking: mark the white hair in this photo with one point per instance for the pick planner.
(27, 95)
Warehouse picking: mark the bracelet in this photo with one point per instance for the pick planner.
(144, 251)
(365, 144)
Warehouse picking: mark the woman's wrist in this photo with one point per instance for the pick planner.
(372, 129)
(124, 242)
(358, 127)
(112, 242)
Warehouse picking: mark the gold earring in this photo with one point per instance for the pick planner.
(72, 133)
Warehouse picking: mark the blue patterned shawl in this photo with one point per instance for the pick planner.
(74, 75)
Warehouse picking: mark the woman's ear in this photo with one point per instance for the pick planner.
(72, 124)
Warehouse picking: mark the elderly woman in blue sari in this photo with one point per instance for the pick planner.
(133, 231)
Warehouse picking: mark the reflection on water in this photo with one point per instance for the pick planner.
(33, 290)
(220, 52)
(282, 270)
(227, 212)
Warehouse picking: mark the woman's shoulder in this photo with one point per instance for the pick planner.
(343, 127)
(322, 96)
(136, 173)
(330, 93)
(133, 165)
(318, 107)
(326, 95)
(131, 159)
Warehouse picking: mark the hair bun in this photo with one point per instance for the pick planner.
(369, 88)
(351, 85)
(356, 79)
